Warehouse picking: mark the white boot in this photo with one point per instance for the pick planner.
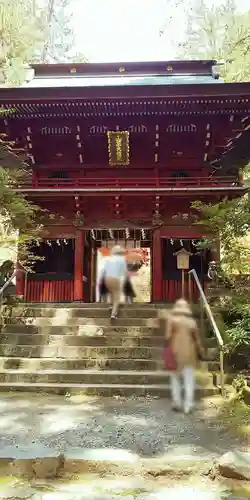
(189, 388)
(176, 391)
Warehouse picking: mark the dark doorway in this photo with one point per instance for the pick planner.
(52, 276)
(198, 259)
(172, 276)
(54, 257)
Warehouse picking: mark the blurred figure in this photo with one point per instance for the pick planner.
(113, 275)
(128, 291)
(103, 291)
(184, 338)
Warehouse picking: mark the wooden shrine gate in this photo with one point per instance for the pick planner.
(67, 270)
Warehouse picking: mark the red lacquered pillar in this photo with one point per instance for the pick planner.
(20, 281)
(78, 275)
(156, 267)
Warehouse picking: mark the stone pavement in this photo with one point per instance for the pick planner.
(92, 488)
(162, 454)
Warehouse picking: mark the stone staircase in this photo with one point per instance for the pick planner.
(75, 348)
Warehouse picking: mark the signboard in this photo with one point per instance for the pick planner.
(118, 147)
(183, 257)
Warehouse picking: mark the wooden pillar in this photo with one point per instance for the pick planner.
(20, 281)
(156, 267)
(78, 275)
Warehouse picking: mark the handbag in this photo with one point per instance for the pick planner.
(169, 359)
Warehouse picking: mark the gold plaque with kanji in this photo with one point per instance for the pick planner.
(118, 146)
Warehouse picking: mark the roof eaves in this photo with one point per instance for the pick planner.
(186, 91)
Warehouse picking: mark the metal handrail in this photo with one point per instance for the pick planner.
(8, 282)
(214, 326)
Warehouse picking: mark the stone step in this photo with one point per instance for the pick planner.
(32, 364)
(98, 305)
(87, 305)
(88, 329)
(77, 322)
(69, 321)
(125, 390)
(50, 351)
(90, 312)
(89, 351)
(90, 377)
(89, 340)
(81, 341)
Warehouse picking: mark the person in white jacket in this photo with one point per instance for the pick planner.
(113, 274)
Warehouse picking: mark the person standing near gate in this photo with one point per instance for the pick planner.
(113, 274)
(184, 338)
(183, 348)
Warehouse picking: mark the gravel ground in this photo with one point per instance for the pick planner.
(146, 426)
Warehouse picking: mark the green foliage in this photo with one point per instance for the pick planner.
(228, 221)
(237, 68)
(239, 333)
(18, 216)
(15, 210)
(22, 26)
(6, 270)
(236, 318)
(238, 346)
(59, 36)
(34, 31)
(239, 384)
(219, 32)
